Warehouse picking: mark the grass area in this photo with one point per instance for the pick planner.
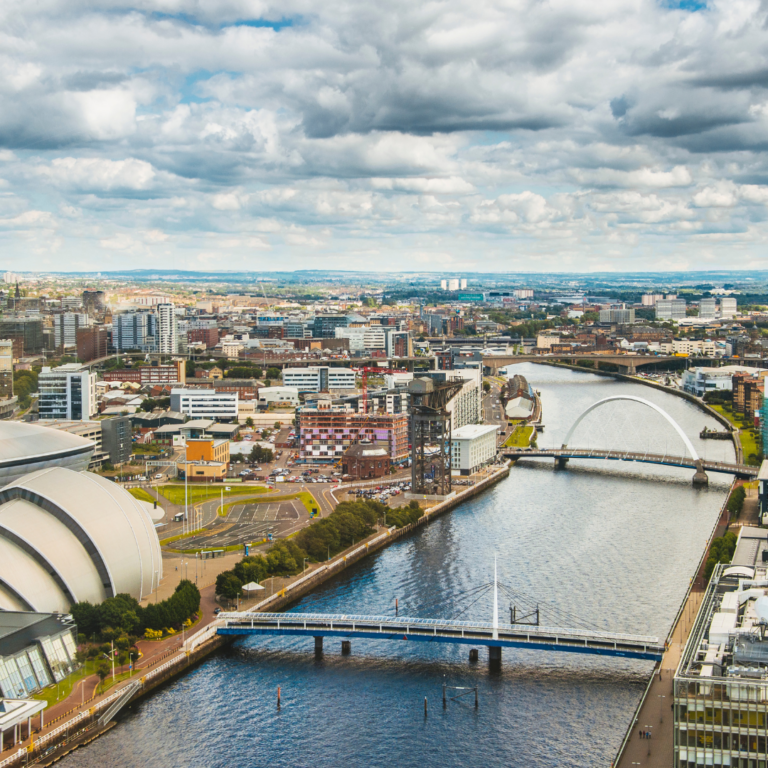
(306, 498)
(750, 443)
(54, 693)
(520, 437)
(171, 539)
(141, 495)
(197, 493)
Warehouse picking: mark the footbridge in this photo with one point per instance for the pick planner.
(405, 629)
(562, 455)
(690, 460)
(524, 629)
(626, 363)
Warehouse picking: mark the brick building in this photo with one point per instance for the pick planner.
(365, 461)
(176, 373)
(207, 336)
(92, 343)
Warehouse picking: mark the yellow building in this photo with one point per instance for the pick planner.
(203, 471)
(208, 449)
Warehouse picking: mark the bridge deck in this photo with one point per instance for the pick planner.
(742, 470)
(442, 631)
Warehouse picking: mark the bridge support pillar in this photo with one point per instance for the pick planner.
(473, 654)
(560, 462)
(346, 647)
(318, 646)
(494, 654)
(700, 478)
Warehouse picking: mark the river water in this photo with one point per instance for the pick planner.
(609, 545)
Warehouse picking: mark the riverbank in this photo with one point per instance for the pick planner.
(52, 743)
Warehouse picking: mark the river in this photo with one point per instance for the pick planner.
(610, 545)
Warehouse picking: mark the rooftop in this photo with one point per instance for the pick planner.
(470, 431)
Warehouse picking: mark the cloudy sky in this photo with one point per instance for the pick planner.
(564, 135)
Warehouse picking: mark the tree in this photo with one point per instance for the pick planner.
(267, 383)
(249, 422)
(486, 387)
(273, 372)
(277, 426)
(103, 670)
(259, 455)
(228, 585)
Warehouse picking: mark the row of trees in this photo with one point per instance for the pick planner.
(350, 522)
(122, 614)
(736, 502)
(721, 551)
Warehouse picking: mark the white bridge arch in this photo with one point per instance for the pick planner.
(631, 398)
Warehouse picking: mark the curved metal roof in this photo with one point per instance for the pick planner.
(75, 536)
(21, 441)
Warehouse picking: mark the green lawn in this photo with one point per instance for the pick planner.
(519, 438)
(141, 495)
(175, 493)
(54, 693)
(750, 443)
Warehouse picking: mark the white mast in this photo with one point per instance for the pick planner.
(495, 602)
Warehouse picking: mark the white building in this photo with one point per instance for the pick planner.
(443, 284)
(707, 309)
(699, 381)
(650, 299)
(463, 283)
(706, 347)
(289, 395)
(65, 327)
(728, 308)
(670, 309)
(319, 378)
(361, 339)
(473, 446)
(134, 330)
(466, 407)
(205, 403)
(393, 380)
(67, 392)
(10, 277)
(167, 330)
(453, 284)
(523, 293)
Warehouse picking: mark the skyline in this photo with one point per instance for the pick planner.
(506, 137)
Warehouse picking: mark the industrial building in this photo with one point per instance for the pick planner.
(721, 684)
(70, 536)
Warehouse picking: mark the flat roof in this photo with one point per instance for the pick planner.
(763, 473)
(470, 431)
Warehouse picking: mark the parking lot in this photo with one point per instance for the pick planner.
(249, 522)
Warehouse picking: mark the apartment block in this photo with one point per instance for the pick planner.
(319, 378)
(67, 392)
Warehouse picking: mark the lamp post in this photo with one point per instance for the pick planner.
(661, 708)
(186, 487)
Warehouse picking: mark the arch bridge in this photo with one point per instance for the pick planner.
(692, 461)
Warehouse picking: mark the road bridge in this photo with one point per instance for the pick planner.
(627, 363)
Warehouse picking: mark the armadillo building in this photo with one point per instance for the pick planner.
(68, 536)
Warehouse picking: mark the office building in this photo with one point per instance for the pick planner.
(205, 403)
(720, 704)
(707, 309)
(207, 336)
(280, 396)
(92, 343)
(472, 447)
(398, 344)
(324, 326)
(65, 326)
(116, 439)
(175, 373)
(167, 330)
(364, 339)
(326, 433)
(671, 309)
(6, 369)
(134, 331)
(620, 315)
(699, 381)
(36, 649)
(319, 378)
(728, 308)
(94, 302)
(25, 332)
(67, 392)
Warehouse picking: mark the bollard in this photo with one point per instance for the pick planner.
(278, 697)
(346, 647)
(475, 697)
(396, 607)
(473, 654)
(445, 704)
(425, 706)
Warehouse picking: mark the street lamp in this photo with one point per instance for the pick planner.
(661, 707)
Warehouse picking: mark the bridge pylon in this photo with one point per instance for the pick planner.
(700, 477)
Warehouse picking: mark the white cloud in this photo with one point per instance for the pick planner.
(99, 174)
